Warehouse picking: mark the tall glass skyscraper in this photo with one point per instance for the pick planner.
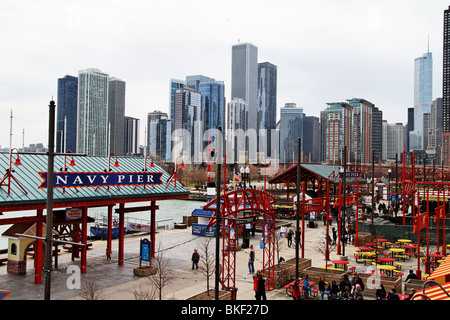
(213, 104)
(66, 118)
(92, 133)
(266, 106)
(423, 90)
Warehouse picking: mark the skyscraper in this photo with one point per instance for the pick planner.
(237, 143)
(311, 138)
(92, 132)
(66, 121)
(361, 131)
(174, 84)
(116, 116)
(446, 91)
(213, 104)
(337, 129)
(131, 129)
(159, 135)
(244, 78)
(266, 106)
(423, 86)
(291, 128)
(188, 124)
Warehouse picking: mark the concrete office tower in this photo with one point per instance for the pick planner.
(337, 130)
(361, 132)
(244, 78)
(66, 118)
(131, 131)
(394, 136)
(236, 132)
(267, 107)
(423, 88)
(446, 91)
(291, 128)
(92, 130)
(435, 129)
(116, 116)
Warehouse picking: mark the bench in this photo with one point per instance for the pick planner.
(2, 260)
(68, 247)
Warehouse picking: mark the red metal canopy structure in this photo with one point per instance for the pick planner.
(22, 189)
(232, 207)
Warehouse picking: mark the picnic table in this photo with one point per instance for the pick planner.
(389, 269)
(396, 251)
(387, 261)
(339, 263)
(290, 287)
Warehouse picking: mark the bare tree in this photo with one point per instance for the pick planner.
(279, 244)
(163, 275)
(321, 246)
(147, 293)
(207, 260)
(92, 290)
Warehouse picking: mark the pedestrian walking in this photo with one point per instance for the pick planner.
(251, 260)
(195, 259)
(289, 237)
(260, 293)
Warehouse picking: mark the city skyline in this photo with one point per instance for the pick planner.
(319, 58)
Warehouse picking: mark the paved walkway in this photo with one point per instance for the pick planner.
(119, 282)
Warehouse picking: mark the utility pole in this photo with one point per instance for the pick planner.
(297, 216)
(49, 218)
(218, 218)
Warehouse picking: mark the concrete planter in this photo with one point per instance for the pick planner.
(145, 271)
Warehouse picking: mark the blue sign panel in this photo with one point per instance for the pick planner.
(145, 250)
(101, 179)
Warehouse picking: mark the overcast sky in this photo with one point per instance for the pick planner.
(325, 51)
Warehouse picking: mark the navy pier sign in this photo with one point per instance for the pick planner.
(101, 179)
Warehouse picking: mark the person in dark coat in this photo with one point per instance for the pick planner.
(195, 259)
(261, 288)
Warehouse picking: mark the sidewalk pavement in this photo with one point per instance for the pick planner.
(119, 282)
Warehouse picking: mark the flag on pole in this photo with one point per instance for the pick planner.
(237, 177)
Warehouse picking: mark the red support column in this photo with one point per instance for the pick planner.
(38, 251)
(84, 240)
(109, 236)
(153, 228)
(121, 233)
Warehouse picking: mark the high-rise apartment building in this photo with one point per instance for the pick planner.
(337, 129)
(244, 78)
(266, 106)
(92, 130)
(361, 131)
(116, 116)
(66, 116)
(291, 128)
(131, 130)
(394, 138)
(446, 91)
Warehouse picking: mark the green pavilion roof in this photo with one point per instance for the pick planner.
(27, 175)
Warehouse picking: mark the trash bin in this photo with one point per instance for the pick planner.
(311, 224)
(233, 293)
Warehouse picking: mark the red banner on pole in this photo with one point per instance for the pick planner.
(439, 213)
(420, 221)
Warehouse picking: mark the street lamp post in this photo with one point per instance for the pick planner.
(245, 174)
(389, 187)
